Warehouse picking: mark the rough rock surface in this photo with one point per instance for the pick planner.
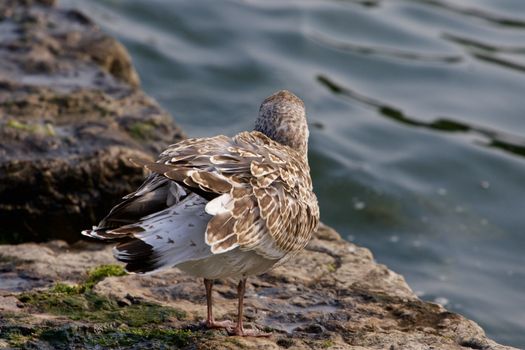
(331, 296)
(71, 115)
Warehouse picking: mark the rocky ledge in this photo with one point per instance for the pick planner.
(71, 115)
(331, 296)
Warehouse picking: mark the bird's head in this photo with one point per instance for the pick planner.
(282, 117)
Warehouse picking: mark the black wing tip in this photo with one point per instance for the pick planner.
(138, 256)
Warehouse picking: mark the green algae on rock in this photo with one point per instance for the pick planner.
(79, 302)
(116, 323)
(50, 336)
(98, 273)
(89, 306)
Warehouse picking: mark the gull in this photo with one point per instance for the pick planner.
(222, 207)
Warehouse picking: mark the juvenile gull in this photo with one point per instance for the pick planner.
(222, 206)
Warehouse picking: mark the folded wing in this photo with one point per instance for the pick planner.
(247, 191)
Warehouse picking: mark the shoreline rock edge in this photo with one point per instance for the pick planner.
(71, 107)
(333, 295)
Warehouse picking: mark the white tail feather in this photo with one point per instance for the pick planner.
(175, 235)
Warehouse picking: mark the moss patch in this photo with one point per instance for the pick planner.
(103, 321)
(73, 336)
(327, 344)
(88, 306)
(99, 273)
(133, 336)
(79, 302)
(16, 338)
(331, 267)
(141, 130)
(45, 129)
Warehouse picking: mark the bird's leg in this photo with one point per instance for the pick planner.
(210, 322)
(239, 329)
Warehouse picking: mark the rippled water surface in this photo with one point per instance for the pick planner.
(417, 112)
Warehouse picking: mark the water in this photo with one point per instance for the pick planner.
(416, 112)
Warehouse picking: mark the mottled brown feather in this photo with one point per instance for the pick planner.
(273, 209)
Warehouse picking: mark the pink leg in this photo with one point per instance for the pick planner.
(210, 321)
(239, 329)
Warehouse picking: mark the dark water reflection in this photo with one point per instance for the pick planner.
(496, 139)
(417, 113)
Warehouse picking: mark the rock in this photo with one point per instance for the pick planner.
(331, 296)
(71, 115)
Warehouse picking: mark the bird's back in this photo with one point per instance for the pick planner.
(241, 201)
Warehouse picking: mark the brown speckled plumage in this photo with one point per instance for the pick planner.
(272, 209)
(222, 206)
